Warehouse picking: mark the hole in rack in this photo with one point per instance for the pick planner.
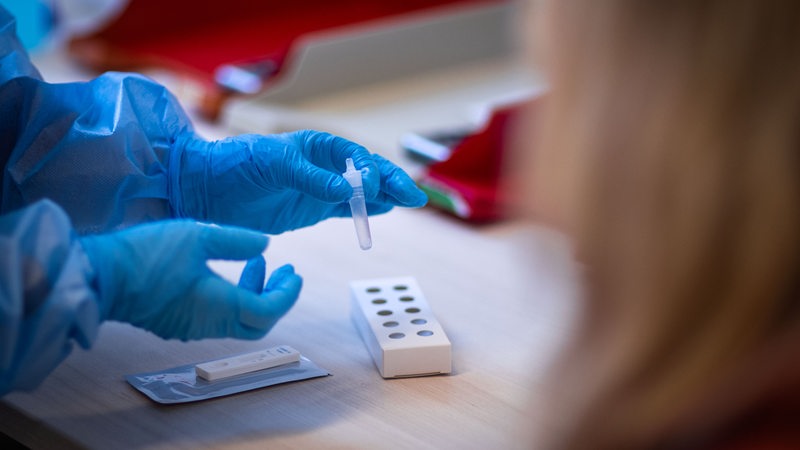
(419, 321)
(406, 298)
(400, 287)
(425, 333)
(373, 290)
(390, 323)
(379, 301)
(412, 310)
(384, 312)
(397, 335)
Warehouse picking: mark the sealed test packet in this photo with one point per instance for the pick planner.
(182, 384)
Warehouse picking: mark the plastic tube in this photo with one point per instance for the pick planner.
(358, 205)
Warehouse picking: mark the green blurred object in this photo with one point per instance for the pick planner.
(34, 21)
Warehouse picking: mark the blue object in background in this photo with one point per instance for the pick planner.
(35, 21)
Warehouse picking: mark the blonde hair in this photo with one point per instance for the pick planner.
(670, 149)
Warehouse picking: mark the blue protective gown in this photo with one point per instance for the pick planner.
(77, 158)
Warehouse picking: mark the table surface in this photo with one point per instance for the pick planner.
(504, 294)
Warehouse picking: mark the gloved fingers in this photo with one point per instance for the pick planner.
(396, 187)
(224, 299)
(376, 208)
(279, 296)
(373, 209)
(231, 242)
(253, 275)
(342, 210)
(319, 183)
(330, 152)
(278, 275)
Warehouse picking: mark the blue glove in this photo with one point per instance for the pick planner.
(155, 277)
(281, 182)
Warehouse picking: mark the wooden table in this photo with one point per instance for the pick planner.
(502, 292)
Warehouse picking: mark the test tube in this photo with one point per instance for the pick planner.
(358, 205)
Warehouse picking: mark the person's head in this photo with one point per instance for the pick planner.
(669, 148)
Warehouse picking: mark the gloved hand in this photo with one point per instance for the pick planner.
(155, 277)
(281, 182)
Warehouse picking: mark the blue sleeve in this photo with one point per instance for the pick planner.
(102, 150)
(14, 60)
(47, 300)
(77, 157)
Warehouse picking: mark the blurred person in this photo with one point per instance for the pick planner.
(104, 184)
(669, 150)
